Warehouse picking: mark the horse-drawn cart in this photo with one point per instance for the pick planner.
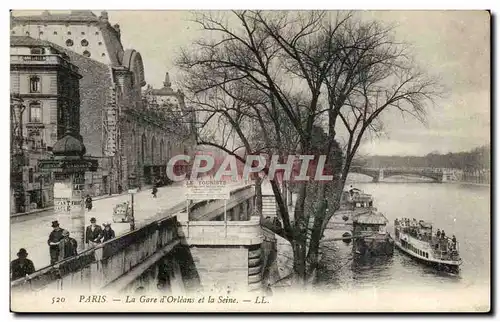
(122, 212)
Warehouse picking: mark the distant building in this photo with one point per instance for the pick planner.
(130, 139)
(45, 101)
(181, 122)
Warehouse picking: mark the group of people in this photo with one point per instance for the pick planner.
(439, 240)
(445, 242)
(63, 246)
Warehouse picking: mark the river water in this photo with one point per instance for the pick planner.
(460, 209)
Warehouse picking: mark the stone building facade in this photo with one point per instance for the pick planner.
(118, 127)
(45, 84)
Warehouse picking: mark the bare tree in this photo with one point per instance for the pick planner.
(267, 67)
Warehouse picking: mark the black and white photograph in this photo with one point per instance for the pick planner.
(250, 161)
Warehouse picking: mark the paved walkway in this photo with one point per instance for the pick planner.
(32, 234)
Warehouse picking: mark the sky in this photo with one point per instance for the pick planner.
(453, 45)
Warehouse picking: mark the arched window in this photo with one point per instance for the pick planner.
(84, 42)
(143, 147)
(35, 112)
(162, 146)
(30, 175)
(34, 84)
(153, 144)
(69, 42)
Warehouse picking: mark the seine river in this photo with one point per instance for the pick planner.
(460, 209)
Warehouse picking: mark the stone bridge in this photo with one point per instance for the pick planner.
(181, 251)
(378, 174)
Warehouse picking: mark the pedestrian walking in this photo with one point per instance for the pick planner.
(93, 233)
(88, 202)
(53, 242)
(21, 266)
(68, 246)
(107, 232)
(155, 191)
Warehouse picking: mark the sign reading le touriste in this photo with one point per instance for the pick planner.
(206, 189)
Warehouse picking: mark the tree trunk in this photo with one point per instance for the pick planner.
(284, 192)
(290, 196)
(299, 262)
(316, 232)
(258, 194)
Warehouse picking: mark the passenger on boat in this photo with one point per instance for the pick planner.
(443, 235)
(438, 233)
(454, 244)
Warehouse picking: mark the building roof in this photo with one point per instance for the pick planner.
(166, 90)
(25, 41)
(83, 16)
(370, 218)
(111, 34)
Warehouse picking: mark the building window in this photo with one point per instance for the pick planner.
(27, 33)
(83, 33)
(97, 32)
(103, 54)
(37, 51)
(69, 33)
(69, 42)
(35, 112)
(35, 84)
(41, 32)
(13, 32)
(86, 53)
(30, 175)
(85, 43)
(55, 32)
(100, 43)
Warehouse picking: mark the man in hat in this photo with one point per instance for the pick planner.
(54, 240)
(93, 233)
(21, 266)
(68, 246)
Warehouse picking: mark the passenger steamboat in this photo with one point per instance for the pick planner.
(416, 239)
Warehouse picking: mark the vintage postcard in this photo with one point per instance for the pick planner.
(250, 161)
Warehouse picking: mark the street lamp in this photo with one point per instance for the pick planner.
(132, 190)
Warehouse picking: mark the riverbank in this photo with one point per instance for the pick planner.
(470, 183)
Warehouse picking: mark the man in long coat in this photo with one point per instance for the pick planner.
(93, 233)
(53, 242)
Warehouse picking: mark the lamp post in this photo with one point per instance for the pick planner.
(69, 166)
(132, 191)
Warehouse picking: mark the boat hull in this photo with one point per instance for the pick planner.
(373, 247)
(441, 266)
